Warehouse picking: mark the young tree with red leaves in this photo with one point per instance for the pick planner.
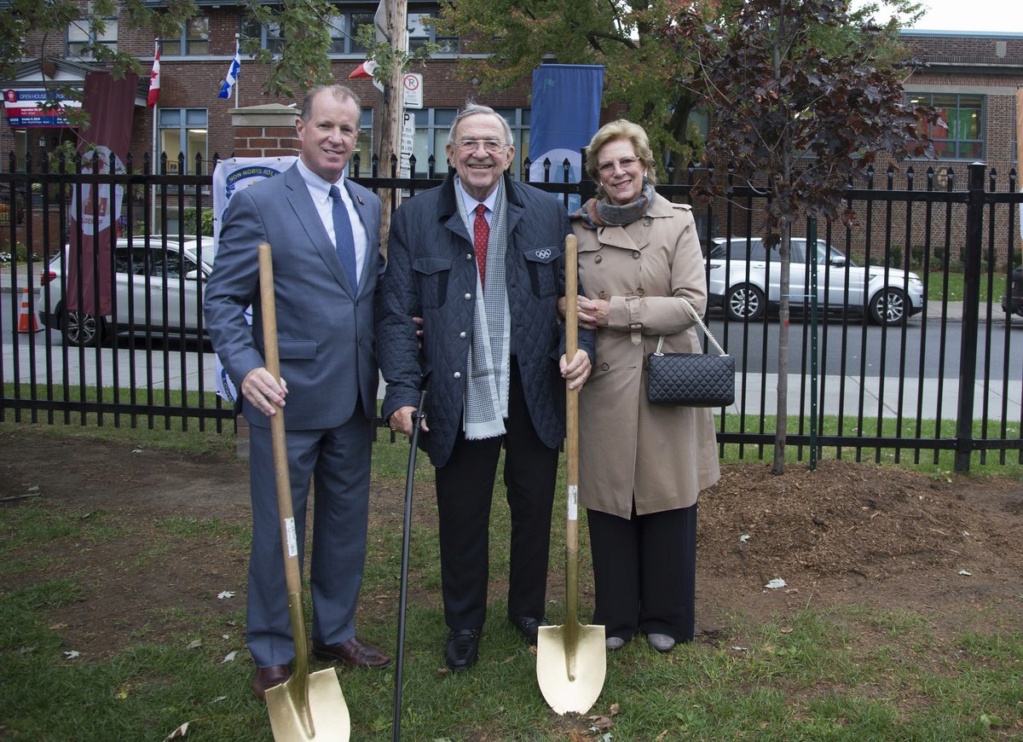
(803, 99)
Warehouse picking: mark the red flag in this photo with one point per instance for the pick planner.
(154, 79)
(96, 205)
(364, 70)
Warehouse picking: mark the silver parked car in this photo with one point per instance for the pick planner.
(151, 277)
(745, 279)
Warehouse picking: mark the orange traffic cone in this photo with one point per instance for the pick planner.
(27, 321)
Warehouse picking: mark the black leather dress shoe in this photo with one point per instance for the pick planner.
(528, 626)
(462, 651)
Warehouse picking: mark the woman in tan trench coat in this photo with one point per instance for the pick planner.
(642, 466)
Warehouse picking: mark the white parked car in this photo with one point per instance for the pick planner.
(151, 276)
(744, 278)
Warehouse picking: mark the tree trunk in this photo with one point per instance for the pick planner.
(781, 428)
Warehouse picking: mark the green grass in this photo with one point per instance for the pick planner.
(937, 463)
(158, 426)
(827, 673)
(954, 291)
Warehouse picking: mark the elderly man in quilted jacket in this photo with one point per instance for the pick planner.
(481, 260)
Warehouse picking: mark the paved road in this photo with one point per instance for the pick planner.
(38, 356)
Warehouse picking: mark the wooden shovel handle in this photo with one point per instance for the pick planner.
(277, 435)
(572, 442)
(571, 346)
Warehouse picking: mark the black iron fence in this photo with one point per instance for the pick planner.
(907, 351)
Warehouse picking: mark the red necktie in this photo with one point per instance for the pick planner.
(480, 237)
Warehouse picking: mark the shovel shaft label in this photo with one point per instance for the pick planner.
(573, 502)
(289, 527)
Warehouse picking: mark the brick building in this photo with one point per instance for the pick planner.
(972, 79)
(191, 118)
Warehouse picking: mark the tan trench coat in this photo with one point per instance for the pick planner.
(661, 455)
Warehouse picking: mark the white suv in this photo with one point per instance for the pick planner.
(157, 290)
(744, 277)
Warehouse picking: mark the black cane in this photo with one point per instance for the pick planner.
(417, 419)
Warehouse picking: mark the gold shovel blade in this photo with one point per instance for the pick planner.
(316, 712)
(570, 670)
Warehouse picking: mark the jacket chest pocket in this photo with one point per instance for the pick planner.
(432, 277)
(544, 265)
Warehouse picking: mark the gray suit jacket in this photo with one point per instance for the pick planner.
(325, 326)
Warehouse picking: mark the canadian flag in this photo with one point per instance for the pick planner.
(364, 70)
(154, 79)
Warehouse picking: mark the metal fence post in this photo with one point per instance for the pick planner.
(811, 260)
(971, 317)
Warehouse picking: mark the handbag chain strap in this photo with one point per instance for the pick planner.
(696, 316)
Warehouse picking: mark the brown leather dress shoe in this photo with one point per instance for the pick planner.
(268, 677)
(353, 653)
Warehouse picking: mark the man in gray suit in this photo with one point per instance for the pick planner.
(323, 231)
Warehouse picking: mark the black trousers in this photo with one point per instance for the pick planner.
(644, 573)
(465, 487)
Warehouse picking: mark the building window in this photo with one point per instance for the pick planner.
(343, 28)
(194, 40)
(421, 30)
(518, 119)
(83, 36)
(183, 130)
(1014, 155)
(959, 136)
(270, 35)
(364, 146)
(433, 125)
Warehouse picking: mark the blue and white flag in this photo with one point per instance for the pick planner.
(232, 73)
(565, 115)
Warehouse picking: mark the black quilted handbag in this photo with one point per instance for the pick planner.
(691, 379)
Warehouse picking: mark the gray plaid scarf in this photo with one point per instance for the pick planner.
(599, 212)
(486, 389)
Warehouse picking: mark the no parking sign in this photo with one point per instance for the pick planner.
(413, 84)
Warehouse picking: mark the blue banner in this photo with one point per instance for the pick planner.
(565, 116)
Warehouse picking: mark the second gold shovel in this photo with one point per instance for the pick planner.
(571, 660)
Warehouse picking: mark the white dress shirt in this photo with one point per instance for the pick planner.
(319, 189)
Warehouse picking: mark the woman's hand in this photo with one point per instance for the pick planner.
(593, 313)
